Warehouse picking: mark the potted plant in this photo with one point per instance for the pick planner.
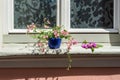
(52, 39)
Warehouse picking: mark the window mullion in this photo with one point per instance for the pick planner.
(8, 16)
(65, 13)
(58, 12)
(118, 16)
(62, 11)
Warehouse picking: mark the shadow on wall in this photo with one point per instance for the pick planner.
(60, 74)
(114, 39)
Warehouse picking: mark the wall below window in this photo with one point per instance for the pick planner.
(60, 61)
(60, 74)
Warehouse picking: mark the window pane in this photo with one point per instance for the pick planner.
(92, 14)
(34, 11)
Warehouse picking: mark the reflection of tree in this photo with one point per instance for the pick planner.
(91, 13)
(28, 11)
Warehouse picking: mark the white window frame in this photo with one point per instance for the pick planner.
(63, 18)
(1, 17)
(66, 19)
(10, 17)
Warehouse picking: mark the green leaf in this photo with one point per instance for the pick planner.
(85, 42)
(92, 49)
(98, 45)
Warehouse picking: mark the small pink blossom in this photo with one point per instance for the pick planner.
(74, 42)
(94, 45)
(43, 49)
(56, 34)
(65, 33)
(89, 45)
(71, 42)
(69, 47)
(45, 37)
(84, 46)
(30, 27)
(40, 44)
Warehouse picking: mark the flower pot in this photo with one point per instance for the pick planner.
(54, 43)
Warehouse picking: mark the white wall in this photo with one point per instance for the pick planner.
(1, 23)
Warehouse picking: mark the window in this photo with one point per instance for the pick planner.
(34, 11)
(24, 12)
(73, 14)
(92, 14)
(66, 13)
(96, 16)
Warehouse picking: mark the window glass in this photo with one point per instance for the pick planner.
(92, 14)
(34, 11)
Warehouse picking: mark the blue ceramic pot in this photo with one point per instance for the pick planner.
(54, 43)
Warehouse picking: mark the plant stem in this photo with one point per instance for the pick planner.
(69, 60)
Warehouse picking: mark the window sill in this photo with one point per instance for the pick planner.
(16, 56)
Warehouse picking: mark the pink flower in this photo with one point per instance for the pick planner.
(40, 44)
(45, 37)
(89, 45)
(42, 49)
(65, 33)
(30, 27)
(71, 42)
(84, 46)
(74, 42)
(94, 45)
(69, 47)
(56, 34)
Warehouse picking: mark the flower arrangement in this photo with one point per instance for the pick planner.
(90, 45)
(44, 37)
